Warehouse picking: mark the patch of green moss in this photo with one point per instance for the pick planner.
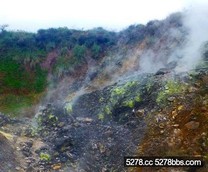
(138, 98)
(121, 90)
(34, 131)
(101, 116)
(129, 103)
(107, 110)
(52, 118)
(69, 108)
(118, 91)
(126, 95)
(171, 88)
(101, 99)
(45, 156)
(174, 87)
(161, 97)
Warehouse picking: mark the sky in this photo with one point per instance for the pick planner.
(31, 15)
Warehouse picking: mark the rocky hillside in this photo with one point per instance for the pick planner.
(82, 100)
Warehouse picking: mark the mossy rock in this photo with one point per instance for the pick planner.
(169, 89)
(112, 102)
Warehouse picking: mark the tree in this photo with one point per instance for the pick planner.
(79, 51)
(3, 27)
(96, 49)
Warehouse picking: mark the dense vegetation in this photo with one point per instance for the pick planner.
(27, 58)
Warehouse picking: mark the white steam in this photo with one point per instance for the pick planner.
(187, 53)
(148, 64)
(196, 20)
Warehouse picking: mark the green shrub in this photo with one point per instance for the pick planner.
(79, 51)
(96, 49)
